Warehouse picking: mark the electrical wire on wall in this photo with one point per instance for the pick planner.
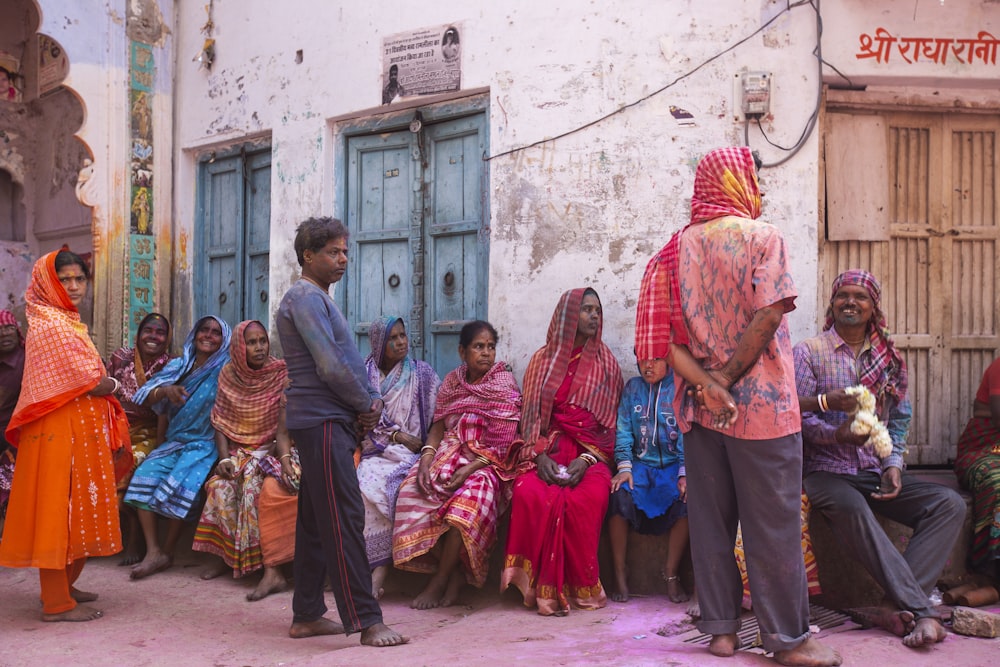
(813, 117)
(810, 124)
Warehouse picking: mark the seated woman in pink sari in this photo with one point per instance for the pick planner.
(571, 392)
(462, 484)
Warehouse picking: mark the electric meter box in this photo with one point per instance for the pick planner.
(755, 90)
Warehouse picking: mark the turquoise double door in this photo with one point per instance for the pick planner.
(416, 205)
(232, 236)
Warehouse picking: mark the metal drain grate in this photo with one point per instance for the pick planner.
(820, 616)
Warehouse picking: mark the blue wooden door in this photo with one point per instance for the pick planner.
(382, 200)
(257, 237)
(414, 204)
(232, 241)
(455, 234)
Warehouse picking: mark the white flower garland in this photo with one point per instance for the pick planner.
(867, 422)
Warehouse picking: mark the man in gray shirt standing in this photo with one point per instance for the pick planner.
(329, 402)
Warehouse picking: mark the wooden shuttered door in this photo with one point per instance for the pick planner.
(929, 214)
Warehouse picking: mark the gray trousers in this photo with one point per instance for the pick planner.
(934, 512)
(757, 484)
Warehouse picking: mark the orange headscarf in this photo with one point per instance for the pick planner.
(248, 400)
(60, 361)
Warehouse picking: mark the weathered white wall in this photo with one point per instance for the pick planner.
(95, 38)
(586, 209)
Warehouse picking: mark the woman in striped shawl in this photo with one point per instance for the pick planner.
(571, 392)
(461, 486)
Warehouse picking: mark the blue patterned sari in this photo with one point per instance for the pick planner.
(169, 480)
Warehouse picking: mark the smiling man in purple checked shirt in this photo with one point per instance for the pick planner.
(848, 482)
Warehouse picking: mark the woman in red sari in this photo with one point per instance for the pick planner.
(571, 392)
(66, 426)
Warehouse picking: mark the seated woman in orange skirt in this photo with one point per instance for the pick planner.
(66, 426)
(571, 392)
(253, 444)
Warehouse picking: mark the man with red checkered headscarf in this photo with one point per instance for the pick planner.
(718, 292)
(847, 480)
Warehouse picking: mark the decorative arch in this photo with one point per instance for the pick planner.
(40, 149)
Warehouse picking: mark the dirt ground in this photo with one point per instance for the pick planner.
(174, 618)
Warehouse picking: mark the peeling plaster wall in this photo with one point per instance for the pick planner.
(94, 38)
(586, 209)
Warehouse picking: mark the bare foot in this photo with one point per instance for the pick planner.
(378, 579)
(724, 646)
(927, 631)
(81, 596)
(273, 581)
(381, 634)
(621, 587)
(216, 569)
(151, 564)
(694, 609)
(899, 623)
(80, 612)
(130, 557)
(321, 626)
(810, 653)
(455, 583)
(676, 592)
(431, 596)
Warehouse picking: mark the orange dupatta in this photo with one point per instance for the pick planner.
(61, 361)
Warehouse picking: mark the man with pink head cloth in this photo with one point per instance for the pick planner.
(848, 482)
(713, 301)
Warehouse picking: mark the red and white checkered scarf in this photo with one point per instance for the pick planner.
(725, 184)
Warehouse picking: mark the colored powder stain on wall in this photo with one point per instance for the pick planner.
(182, 244)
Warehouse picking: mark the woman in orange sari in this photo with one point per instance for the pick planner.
(66, 426)
(571, 392)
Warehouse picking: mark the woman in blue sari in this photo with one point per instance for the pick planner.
(169, 480)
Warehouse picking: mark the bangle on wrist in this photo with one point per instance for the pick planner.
(393, 438)
(228, 458)
(624, 466)
(427, 448)
(284, 456)
(823, 405)
(482, 459)
(590, 459)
